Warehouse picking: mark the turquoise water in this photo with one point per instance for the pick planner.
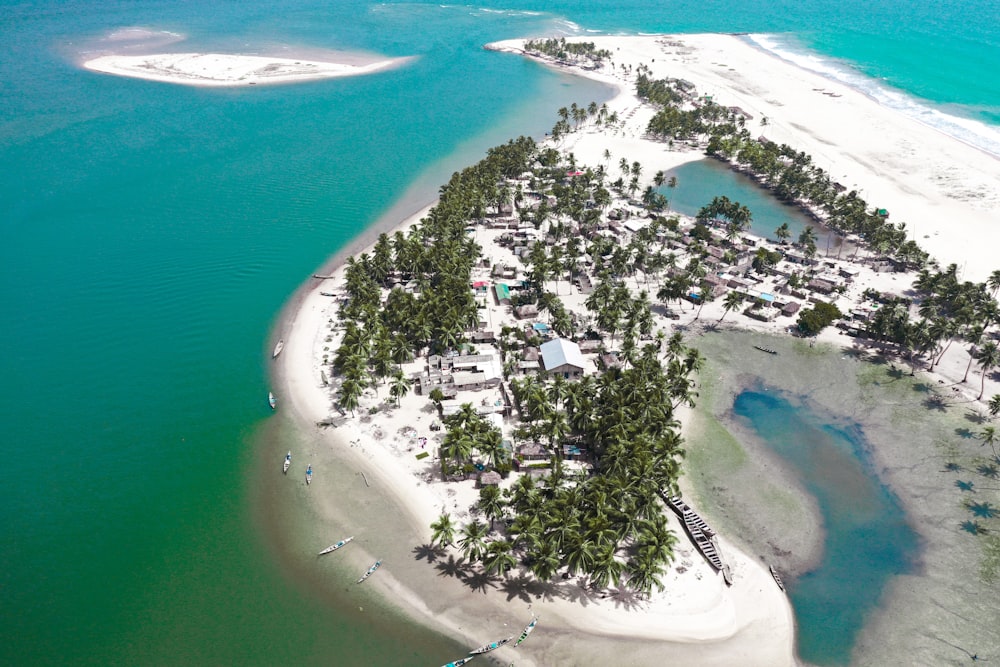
(698, 182)
(152, 232)
(867, 539)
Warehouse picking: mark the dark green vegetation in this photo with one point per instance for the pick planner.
(437, 256)
(813, 320)
(790, 174)
(605, 520)
(563, 50)
(950, 310)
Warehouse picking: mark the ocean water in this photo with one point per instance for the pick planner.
(151, 233)
(867, 539)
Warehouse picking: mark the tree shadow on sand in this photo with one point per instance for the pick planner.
(625, 598)
(935, 402)
(989, 470)
(975, 417)
(963, 432)
(519, 587)
(453, 568)
(984, 510)
(973, 528)
(479, 580)
(860, 353)
(964, 486)
(428, 552)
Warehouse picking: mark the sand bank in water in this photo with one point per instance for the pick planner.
(221, 69)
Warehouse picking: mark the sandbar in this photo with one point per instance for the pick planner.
(221, 69)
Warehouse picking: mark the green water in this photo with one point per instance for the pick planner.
(699, 181)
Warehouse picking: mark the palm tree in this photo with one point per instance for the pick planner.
(580, 554)
(473, 540)
(990, 437)
(607, 569)
(350, 393)
(808, 237)
(545, 561)
(491, 503)
(498, 558)
(988, 357)
(444, 530)
(782, 233)
(733, 300)
(400, 386)
(995, 405)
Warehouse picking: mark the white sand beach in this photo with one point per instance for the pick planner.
(943, 189)
(221, 69)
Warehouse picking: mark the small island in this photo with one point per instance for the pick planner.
(223, 69)
(514, 365)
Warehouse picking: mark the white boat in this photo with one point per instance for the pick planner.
(527, 631)
(492, 646)
(271, 400)
(333, 547)
(278, 348)
(376, 565)
(309, 474)
(287, 463)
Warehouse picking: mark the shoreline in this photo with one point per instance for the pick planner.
(296, 375)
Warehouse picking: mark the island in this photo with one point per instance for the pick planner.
(505, 380)
(225, 69)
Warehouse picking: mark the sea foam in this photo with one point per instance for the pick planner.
(968, 130)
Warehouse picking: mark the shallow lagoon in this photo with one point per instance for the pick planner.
(698, 182)
(866, 536)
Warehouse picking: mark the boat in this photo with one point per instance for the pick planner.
(777, 579)
(333, 547)
(328, 294)
(527, 631)
(492, 646)
(376, 565)
(271, 400)
(765, 349)
(309, 474)
(460, 661)
(278, 348)
(287, 463)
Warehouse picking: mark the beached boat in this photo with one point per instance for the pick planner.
(271, 400)
(278, 348)
(460, 661)
(287, 463)
(376, 565)
(309, 474)
(333, 547)
(527, 631)
(492, 646)
(777, 579)
(765, 349)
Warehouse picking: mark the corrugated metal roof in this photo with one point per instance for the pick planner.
(560, 351)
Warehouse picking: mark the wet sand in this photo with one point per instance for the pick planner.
(914, 427)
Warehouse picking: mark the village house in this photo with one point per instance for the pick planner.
(563, 357)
